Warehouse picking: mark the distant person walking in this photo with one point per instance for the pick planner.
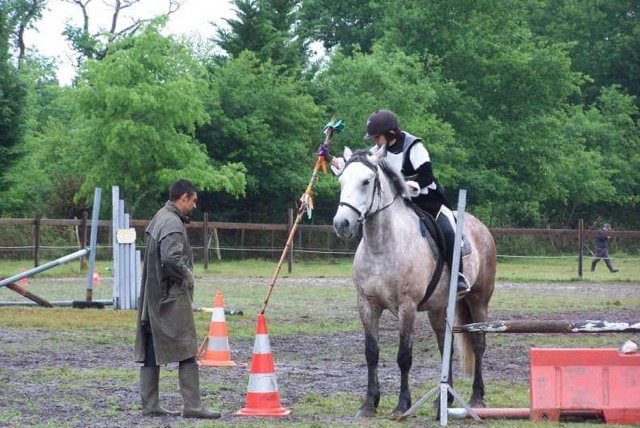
(601, 248)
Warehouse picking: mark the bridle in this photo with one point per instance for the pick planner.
(377, 190)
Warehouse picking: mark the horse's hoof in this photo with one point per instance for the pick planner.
(397, 415)
(477, 403)
(366, 413)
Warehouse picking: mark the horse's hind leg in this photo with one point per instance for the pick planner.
(479, 345)
(407, 316)
(370, 318)
(478, 312)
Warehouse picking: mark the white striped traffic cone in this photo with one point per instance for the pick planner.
(218, 353)
(263, 398)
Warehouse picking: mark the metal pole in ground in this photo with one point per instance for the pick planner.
(95, 217)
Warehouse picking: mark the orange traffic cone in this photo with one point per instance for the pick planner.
(23, 281)
(96, 277)
(217, 353)
(263, 398)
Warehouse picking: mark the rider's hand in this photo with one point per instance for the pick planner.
(414, 188)
(323, 150)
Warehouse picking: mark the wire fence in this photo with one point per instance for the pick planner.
(23, 239)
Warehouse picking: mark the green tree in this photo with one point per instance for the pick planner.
(265, 27)
(604, 38)
(133, 124)
(22, 15)
(507, 93)
(353, 25)
(266, 121)
(12, 102)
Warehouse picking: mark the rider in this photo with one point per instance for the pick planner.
(408, 155)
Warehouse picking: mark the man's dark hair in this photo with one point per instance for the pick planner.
(179, 188)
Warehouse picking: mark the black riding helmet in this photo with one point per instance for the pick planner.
(381, 122)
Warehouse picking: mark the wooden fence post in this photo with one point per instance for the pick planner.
(289, 227)
(580, 245)
(242, 244)
(36, 238)
(205, 241)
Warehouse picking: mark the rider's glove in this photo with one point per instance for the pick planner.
(414, 188)
(323, 150)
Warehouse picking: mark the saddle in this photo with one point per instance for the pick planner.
(430, 230)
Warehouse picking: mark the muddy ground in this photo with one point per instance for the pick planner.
(331, 365)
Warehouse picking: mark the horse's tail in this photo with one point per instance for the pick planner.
(463, 340)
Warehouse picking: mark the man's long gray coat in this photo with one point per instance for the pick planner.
(167, 290)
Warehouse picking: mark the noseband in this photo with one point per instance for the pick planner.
(377, 189)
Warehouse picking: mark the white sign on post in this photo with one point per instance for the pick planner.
(126, 236)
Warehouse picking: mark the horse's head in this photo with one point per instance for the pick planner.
(361, 190)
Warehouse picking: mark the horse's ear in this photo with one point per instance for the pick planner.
(378, 155)
(346, 154)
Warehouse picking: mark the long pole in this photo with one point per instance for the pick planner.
(97, 196)
(29, 295)
(304, 200)
(42, 268)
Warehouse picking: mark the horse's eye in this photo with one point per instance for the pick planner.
(366, 182)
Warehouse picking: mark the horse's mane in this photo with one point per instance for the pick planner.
(397, 181)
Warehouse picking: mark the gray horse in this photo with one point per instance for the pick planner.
(393, 266)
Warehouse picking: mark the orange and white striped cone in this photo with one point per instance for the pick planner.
(96, 277)
(263, 398)
(217, 353)
(23, 281)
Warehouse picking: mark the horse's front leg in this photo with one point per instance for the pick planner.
(370, 317)
(406, 318)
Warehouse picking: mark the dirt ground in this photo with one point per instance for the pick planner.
(327, 365)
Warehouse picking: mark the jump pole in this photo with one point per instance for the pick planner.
(29, 295)
(46, 266)
(91, 251)
(586, 326)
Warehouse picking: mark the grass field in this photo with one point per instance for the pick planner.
(521, 269)
(312, 304)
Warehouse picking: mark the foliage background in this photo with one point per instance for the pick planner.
(532, 106)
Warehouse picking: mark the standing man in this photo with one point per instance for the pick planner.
(407, 155)
(601, 248)
(166, 329)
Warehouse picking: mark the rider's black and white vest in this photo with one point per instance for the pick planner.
(431, 196)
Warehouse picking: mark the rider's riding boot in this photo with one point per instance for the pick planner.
(448, 230)
(149, 381)
(463, 284)
(189, 378)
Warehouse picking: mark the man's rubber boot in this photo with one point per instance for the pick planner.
(189, 378)
(610, 266)
(149, 390)
(463, 285)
